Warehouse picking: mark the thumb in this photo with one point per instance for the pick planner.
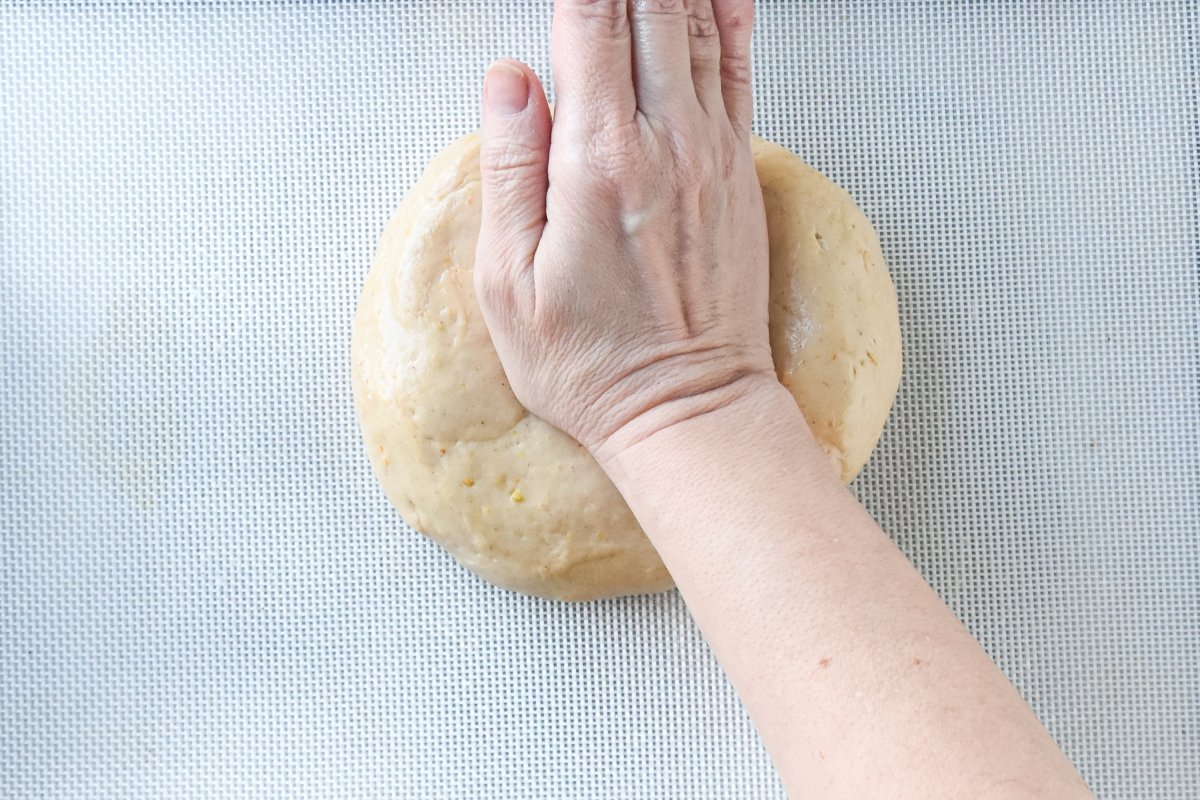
(513, 158)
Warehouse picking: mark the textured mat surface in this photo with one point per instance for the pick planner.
(204, 594)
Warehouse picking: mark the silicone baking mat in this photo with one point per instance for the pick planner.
(204, 594)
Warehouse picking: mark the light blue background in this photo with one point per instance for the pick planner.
(204, 594)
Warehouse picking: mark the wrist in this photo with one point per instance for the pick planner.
(737, 422)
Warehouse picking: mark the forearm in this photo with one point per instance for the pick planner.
(860, 681)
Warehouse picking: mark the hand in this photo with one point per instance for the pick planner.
(622, 263)
(622, 272)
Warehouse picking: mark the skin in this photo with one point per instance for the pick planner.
(622, 271)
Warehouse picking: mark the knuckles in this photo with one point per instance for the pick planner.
(617, 154)
(504, 162)
(603, 17)
(735, 70)
(702, 25)
(694, 161)
(630, 170)
(658, 7)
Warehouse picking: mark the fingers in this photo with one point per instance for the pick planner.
(613, 58)
(513, 155)
(704, 43)
(662, 59)
(677, 54)
(593, 67)
(734, 19)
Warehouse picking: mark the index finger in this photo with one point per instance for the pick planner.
(593, 64)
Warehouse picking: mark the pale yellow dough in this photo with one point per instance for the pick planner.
(517, 501)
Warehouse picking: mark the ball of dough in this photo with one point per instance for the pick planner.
(517, 501)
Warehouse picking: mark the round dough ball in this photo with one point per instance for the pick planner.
(519, 502)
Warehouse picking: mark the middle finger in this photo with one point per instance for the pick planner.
(662, 58)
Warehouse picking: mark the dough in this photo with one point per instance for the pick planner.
(519, 502)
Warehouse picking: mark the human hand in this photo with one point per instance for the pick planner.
(622, 263)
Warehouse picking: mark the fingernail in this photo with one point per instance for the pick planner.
(505, 90)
